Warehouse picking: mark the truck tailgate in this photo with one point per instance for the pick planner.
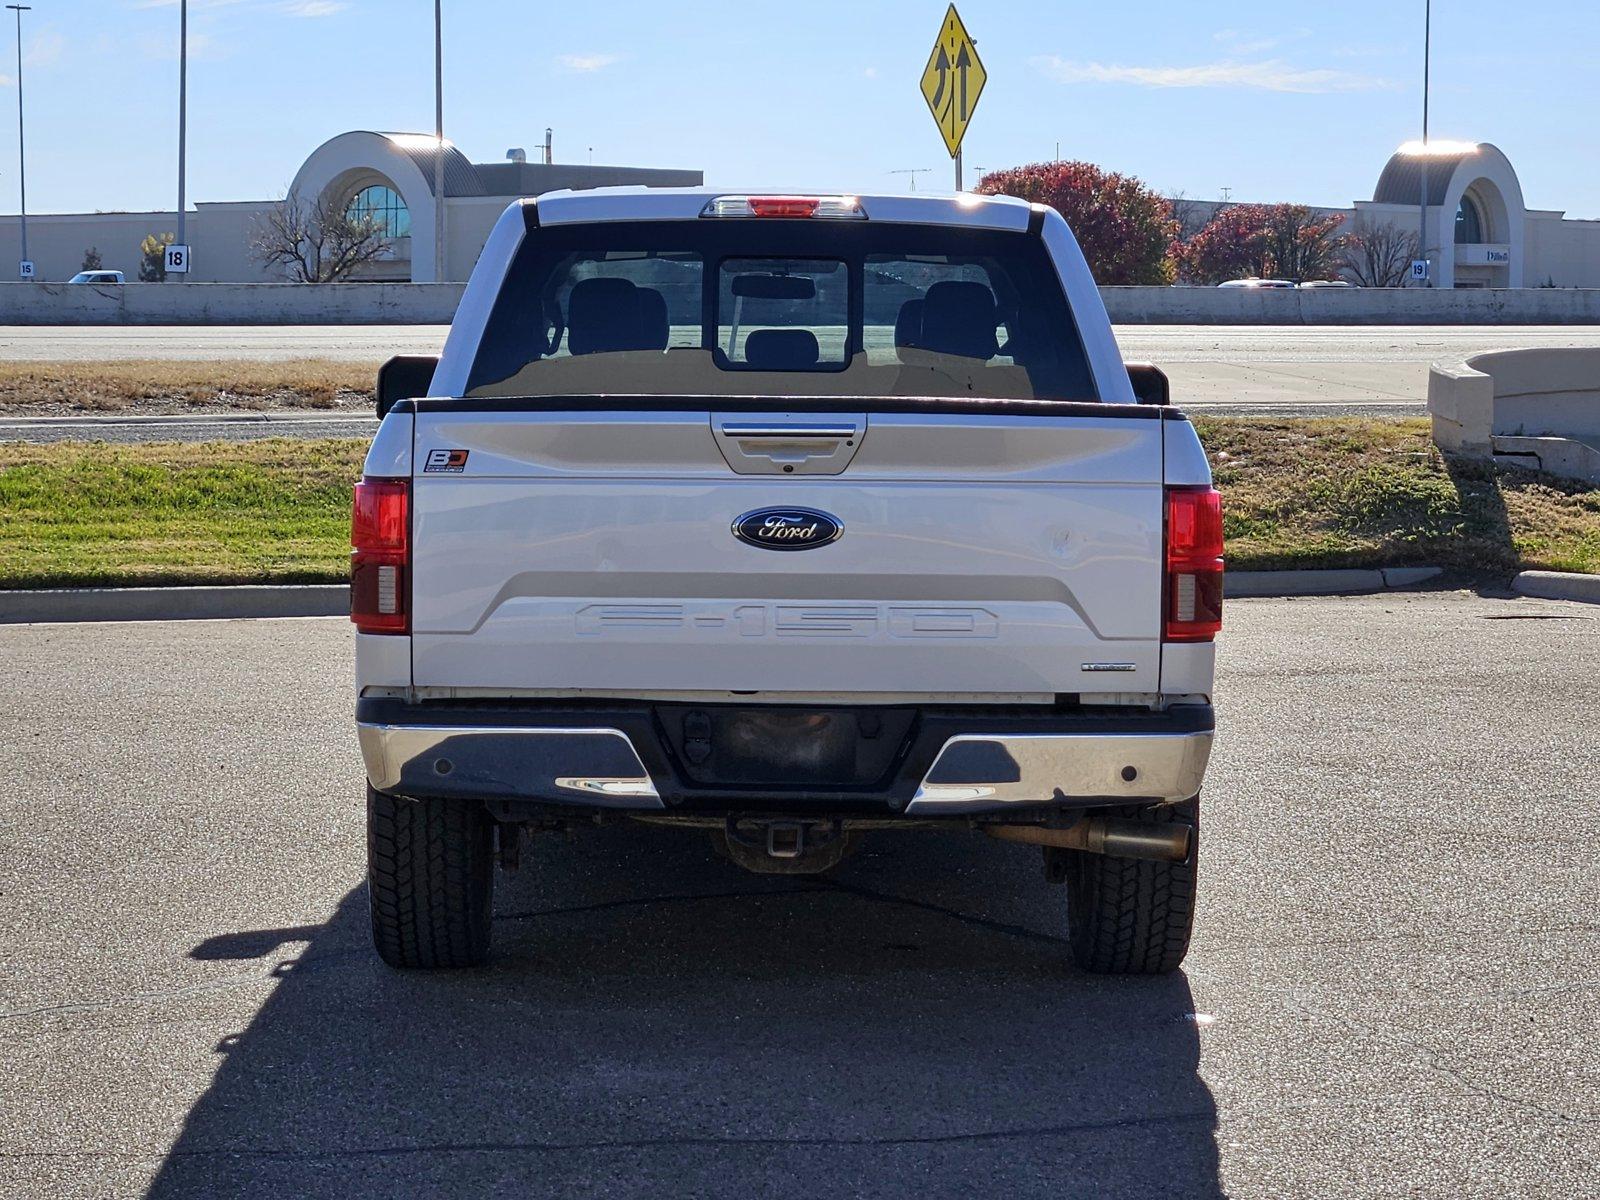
(979, 554)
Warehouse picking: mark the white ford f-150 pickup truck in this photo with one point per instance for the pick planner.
(794, 520)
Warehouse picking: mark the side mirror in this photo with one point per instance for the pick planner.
(404, 377)
(1150, 384)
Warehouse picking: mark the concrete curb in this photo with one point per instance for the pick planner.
(174, 603)
(1558, 585)
(333, 599)
(1238, 584)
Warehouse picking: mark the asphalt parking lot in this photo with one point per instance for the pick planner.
(1394, 988)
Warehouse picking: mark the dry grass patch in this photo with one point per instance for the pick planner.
(1356, 492)
(164, 386)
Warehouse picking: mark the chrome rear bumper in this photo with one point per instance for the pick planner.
(981, 773)
(601, 766)
(594, 768)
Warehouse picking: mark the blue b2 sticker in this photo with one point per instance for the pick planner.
(450, 462)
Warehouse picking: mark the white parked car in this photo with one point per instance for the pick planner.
(793, 520)
(1317, 284)
(97, 277)
(1257, 283)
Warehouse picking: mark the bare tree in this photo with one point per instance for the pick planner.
(322, 242)
(1377, 254)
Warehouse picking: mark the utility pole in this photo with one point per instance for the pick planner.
(438, 132)
(913, 172)
(22, 158)
(1422, 173)
(183, 118)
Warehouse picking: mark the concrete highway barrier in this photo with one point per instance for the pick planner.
(435, 303)
(229, 303)
(1351, 306)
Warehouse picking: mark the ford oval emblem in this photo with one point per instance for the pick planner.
(787, 528)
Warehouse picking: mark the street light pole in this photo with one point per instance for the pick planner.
(1422, 173)
(438, 131)
(22, 158)
(183, 118)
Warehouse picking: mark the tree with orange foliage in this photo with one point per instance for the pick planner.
(1125, 229)
(1263, 241)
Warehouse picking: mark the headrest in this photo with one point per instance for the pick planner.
(604, 315)
(959, 317)
(908, 325)
(655, 329)
(781, 349)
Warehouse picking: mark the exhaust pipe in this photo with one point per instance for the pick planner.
(1106, 835)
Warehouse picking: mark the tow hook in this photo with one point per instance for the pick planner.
(785, 846)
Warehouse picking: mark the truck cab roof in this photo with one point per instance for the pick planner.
(672, 204)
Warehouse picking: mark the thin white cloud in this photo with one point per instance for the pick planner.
(588, 62)
(165, 49)
(312, 8)
(44, 50)
(870, 73)
(1243, 44)
(193, 4)
(1270, 75)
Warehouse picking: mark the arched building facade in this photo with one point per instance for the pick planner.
(1465, 201)
(387, 176)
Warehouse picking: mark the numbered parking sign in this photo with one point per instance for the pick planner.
(25, 268)
(1419, 270)
(177, 260)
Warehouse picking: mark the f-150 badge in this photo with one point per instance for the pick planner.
(787, 528)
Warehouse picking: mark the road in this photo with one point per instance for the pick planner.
(1219, 370)
(1393, 989)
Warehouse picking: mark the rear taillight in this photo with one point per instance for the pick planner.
(380, 537)
(1194, 564)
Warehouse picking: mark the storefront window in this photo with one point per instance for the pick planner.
(1469, 223)
(385, 206)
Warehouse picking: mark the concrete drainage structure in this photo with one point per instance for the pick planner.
(1538, 409)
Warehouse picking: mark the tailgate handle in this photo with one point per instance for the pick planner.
(785, 446)
(784, 433)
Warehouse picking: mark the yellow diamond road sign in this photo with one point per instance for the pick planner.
(953, 81)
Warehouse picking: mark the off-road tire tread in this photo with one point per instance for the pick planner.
(1128, 916)
(430, 881)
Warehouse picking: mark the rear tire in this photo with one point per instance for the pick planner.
(430, 881)
(1130, 916)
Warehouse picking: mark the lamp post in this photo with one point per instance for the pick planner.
(183, 121)
(438, 132)
(1422, 173)
(22, 158)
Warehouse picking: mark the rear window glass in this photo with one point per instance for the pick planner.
(783, 314)
(781, 308)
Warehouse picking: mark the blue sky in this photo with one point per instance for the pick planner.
(1271, 100)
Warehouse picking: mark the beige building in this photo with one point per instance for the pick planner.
(1463, 202)
(389, 175)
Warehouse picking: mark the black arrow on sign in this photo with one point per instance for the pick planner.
(963, 62)
(942, 66)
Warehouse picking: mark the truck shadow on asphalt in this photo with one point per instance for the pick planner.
(657, 1022)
